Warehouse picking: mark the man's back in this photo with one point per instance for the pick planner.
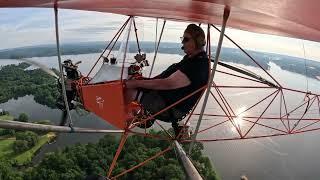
(196, 69)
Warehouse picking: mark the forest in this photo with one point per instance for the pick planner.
(16, 81)
(85, 161)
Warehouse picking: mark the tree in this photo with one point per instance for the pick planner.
(23, 117)
(6, 113)
(20, 146)
(9, 132)
(30, 137)
(7, 172)
(56, 166)
(79, 161)
(18, 82)
(171, 171)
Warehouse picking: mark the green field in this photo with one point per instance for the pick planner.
(6, 150)
(6, 117)
(6, 147)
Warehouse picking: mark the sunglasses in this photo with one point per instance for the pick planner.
(185, 39)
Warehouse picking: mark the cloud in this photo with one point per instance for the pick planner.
(91, 30)
(34, 26)
(26, 18)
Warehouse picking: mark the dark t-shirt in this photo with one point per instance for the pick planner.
(196, 69)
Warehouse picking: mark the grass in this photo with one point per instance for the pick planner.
(6, 117)
(6, 147)
(6, 150)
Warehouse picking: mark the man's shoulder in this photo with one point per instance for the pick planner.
(201, 58)
(202, 55)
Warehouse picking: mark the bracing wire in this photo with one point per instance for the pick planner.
(305, 65)
(156, 37)
(157, 47)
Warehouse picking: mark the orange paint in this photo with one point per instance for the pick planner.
(106, 101)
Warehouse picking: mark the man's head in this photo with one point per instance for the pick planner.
(193, 39)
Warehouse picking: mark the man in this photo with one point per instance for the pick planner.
(176, 82)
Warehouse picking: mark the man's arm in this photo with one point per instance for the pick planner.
(174, 81)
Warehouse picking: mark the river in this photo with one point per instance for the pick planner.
(288, 157)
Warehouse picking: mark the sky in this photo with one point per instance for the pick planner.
(35, 26)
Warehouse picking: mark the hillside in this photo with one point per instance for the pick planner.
(289, 63)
